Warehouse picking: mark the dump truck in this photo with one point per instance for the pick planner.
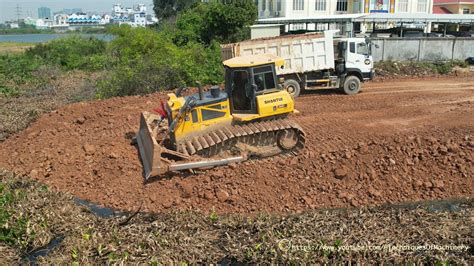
(313, 61)
(250, 118)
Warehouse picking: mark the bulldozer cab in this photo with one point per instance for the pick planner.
(250, 76)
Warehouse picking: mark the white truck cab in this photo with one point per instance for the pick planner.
(358, 56)
(354, 60)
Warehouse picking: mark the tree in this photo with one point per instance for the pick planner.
(224, 21)
(167, 9)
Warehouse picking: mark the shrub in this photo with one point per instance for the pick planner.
(145, 61)
(18, 67)
(72, 53)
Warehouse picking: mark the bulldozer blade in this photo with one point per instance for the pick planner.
(150, 150)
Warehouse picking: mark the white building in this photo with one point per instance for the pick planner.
(313, 8)
(60, 20)
(105, 19)
(12, 25)
(138, 20)
(30, 21)
(134, 16)
(43, 24)
(335, 14)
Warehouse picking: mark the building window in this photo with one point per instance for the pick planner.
(278, 5)
(402, 6)
(341, 5)
(320, 5)
(422, 4)
(298, 4)
(357, 6)
(466, 11)
(264, 5)
(270, 5)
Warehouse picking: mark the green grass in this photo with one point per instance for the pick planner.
(16, 44)
(14, 47)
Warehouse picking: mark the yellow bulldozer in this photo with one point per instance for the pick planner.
(218, 127)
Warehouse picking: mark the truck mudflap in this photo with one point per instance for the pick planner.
(152, 153)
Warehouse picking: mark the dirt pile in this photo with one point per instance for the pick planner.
(395, 142)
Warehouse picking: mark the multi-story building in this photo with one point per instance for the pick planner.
(134, 16)
(43, 23)
(44, 12)
(60, 20)
(453, 7)
(313, 8)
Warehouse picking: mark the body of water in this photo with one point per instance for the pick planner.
(39, 38)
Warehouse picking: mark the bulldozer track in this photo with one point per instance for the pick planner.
(255, 134)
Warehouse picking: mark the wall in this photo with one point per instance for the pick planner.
(413, 7)
(457, 8)
(264, 31)
(423, 49)
(470, 6)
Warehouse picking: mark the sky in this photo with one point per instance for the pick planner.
(29, 8)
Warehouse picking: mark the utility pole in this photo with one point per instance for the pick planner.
(18, 12)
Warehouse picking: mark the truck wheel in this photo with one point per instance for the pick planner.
(351, 85)
(292, 87)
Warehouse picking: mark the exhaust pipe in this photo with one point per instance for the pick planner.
(201, 93)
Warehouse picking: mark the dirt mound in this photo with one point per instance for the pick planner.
(394, 142)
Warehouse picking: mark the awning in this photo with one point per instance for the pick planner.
(374, 17)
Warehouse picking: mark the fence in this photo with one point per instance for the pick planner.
(423, 49)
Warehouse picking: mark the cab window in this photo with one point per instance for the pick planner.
(211, 114)
(263, 78)
(352, 47)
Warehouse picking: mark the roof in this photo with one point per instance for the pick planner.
(447, 2)
(302, 19)
(441, 10)
(254, 60)
(416, 17)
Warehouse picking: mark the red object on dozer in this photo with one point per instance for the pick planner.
(161, 110)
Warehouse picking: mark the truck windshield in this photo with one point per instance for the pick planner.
(362, 48)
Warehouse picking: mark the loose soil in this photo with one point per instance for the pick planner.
(396, 141)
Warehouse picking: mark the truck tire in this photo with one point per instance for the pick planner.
(292, 87)
(351, 85)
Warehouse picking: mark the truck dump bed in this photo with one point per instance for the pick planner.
(302, 53)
